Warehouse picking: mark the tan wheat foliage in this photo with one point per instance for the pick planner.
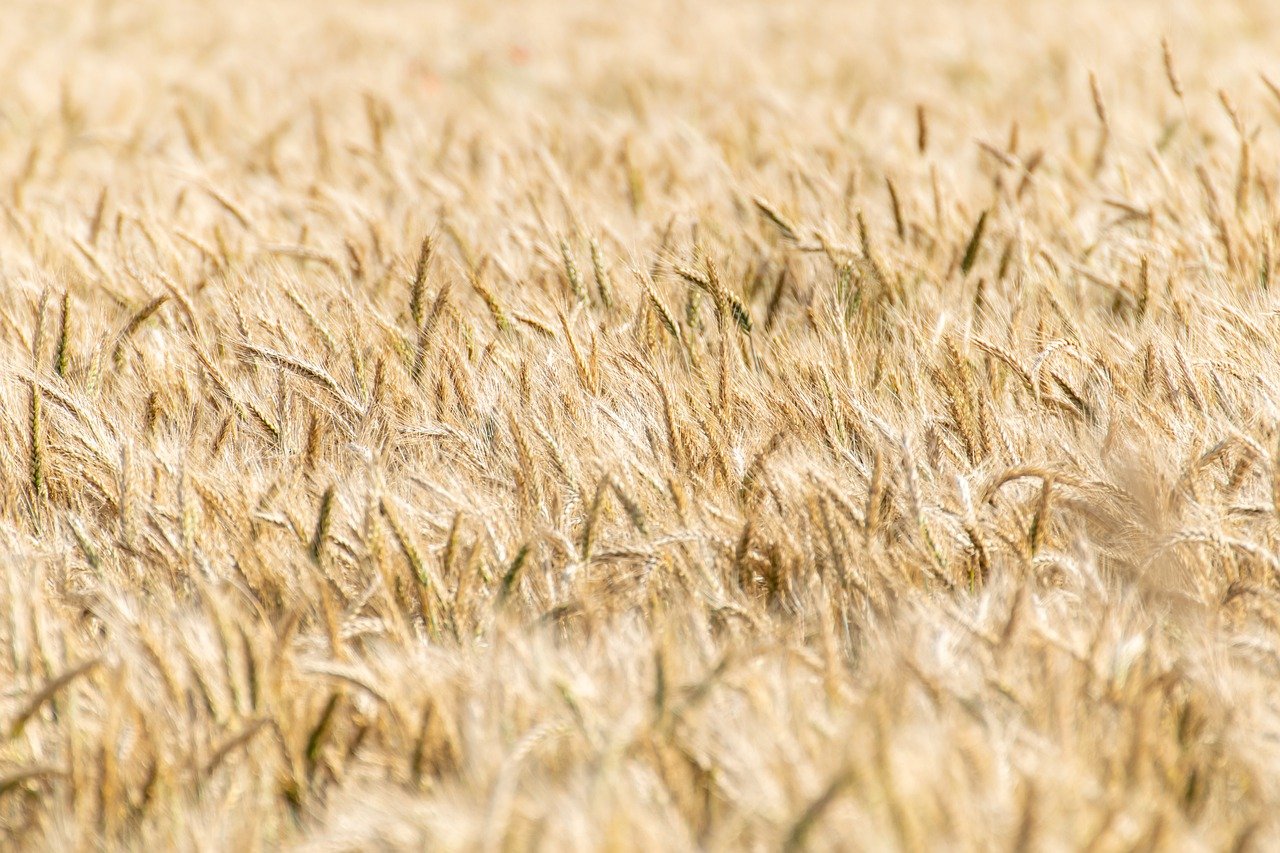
(644, 425)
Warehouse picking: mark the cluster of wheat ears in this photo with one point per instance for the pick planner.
(654, 425)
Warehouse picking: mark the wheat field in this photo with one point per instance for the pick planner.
(636, 426)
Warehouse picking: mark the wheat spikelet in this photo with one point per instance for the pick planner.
(135, 322)
(660, 308)
(36, 441)
(324, 520)
(307, 371)
(45, 693)
(784, 226)
(476, 279)
(425, 330)
(1170, 71)
(974, 245)
(63, 352)
(322, 331)
(604, 278)
(576, 284)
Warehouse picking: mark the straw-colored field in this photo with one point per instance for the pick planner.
(640, 425)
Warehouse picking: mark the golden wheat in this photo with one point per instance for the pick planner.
(901, 473)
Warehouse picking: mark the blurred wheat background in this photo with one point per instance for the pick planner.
(640, 425)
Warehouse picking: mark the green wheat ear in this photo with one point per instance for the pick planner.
(63, 352)
(36, 426)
